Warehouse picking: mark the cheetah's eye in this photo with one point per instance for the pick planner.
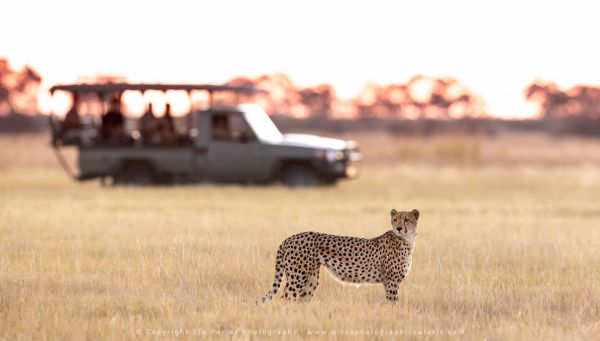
(395, 220)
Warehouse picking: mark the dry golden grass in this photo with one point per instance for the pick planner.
(502, 253)
(502, 150)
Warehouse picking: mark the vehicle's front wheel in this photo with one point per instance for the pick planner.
(299, 175)
(135, 174)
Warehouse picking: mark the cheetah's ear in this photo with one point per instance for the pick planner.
(393, 212)
(416, 213)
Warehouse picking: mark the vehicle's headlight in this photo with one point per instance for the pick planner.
(334, 155)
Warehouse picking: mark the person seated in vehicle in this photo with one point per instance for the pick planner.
(166, 128)
(70, 129)
(220, 128)
(149, 127)
(113, 123)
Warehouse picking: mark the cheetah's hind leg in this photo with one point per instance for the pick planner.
(310, 287)
(295, 281)
(391, 291)
(286, 290)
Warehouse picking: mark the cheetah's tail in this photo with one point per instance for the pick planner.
(278, 274)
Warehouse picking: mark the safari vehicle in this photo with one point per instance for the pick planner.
(233, 143)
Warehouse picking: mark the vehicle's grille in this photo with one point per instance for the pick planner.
(352, 154)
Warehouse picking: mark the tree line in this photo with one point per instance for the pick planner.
(421, 97)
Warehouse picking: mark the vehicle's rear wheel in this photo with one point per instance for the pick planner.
(135, 174)
(298, 175)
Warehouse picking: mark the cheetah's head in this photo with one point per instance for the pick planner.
(404, 222)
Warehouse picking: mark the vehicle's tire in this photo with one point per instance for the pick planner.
(135, 174)
(330, 182)
(299, 175)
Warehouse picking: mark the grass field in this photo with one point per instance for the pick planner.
(507, 248)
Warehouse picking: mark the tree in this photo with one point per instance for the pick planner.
(318, 100)
(549, 97)
(18, 89)
(281, 97)
(443, 98)
(420, 97)
(580, 101)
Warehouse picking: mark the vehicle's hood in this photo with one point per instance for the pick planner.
(313, 141)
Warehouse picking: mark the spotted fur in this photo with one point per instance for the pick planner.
(385, 259)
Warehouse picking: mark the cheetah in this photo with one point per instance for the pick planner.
(385, 259)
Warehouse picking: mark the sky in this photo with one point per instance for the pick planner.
(494, 48)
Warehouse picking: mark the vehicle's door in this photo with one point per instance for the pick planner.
(234, 153)
(200, 136)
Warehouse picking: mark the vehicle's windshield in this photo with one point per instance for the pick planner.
(263, 127)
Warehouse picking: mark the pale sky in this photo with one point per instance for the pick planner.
(495, 49)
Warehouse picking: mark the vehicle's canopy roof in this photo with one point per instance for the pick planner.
(120, 87)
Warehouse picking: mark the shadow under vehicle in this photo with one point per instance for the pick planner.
(225, 144)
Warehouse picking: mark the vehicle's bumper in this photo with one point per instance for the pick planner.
(348, 167)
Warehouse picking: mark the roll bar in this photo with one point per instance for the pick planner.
(101, 88)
